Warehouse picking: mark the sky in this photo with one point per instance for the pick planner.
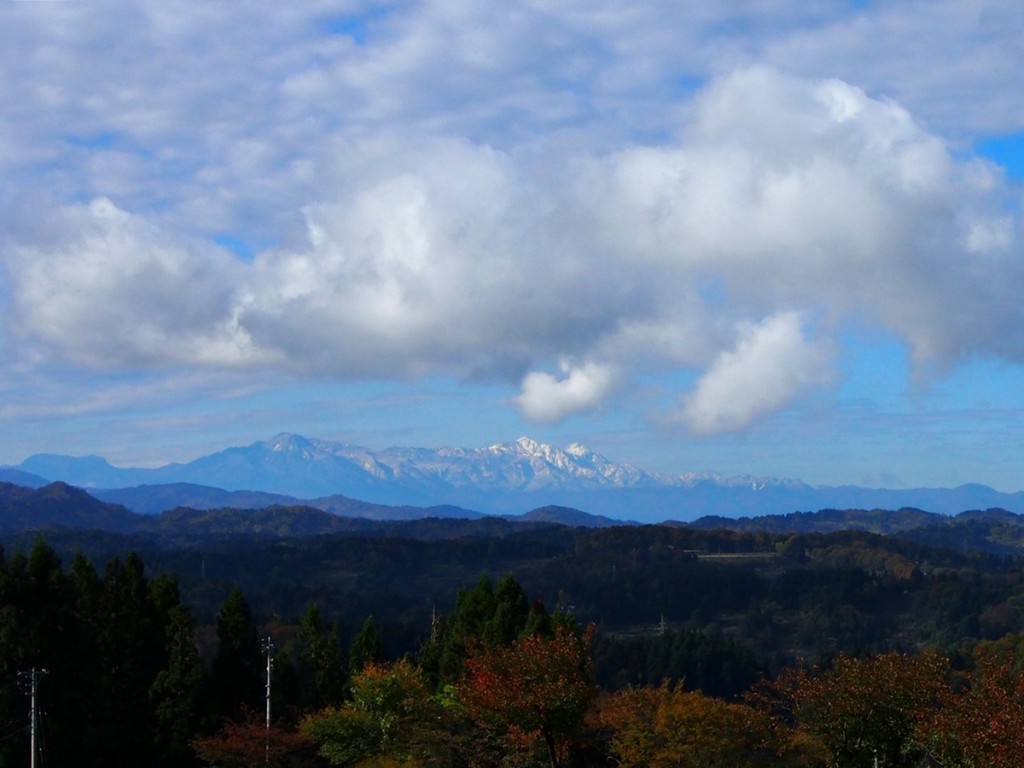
(750, 237)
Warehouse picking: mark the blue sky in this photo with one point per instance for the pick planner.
(771, 238)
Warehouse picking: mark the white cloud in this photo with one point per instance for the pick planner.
(946, 60)
(437, 198)
(546, 398)
(443, 256)
(102, 288)
(813, 195)
(771, 365)
(432, 257)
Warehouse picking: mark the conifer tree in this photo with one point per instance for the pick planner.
(237, 676)
(179, 692)
(367, 647)
(322, 665)
(488, 614)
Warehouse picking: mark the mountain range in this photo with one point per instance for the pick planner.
(504, 478)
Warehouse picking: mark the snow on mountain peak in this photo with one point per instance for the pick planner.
(523, 465)
(577, 450)
(531, 447)
(286, 441)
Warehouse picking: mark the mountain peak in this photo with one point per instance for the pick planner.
(288, 441)
(530, 446)
(578, 450)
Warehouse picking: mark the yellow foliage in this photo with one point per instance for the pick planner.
(668, 727)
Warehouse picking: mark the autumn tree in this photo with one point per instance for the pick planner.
(668, 727)
(390, 716)
(982, 724)
(246, 742)
(533, 691)
(868, 707)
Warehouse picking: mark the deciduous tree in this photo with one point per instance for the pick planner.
(983, 724)
(246, 742)
(390, 716)
(667, 727)
(536, 689)
(863, 707)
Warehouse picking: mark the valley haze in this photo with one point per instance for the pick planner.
(500, 479)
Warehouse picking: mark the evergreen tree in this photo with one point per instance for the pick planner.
(131, 639)
(510, 615)
(178, 693)
(488, 614)
(367, 647)
(12, 710)
(50, 637)
(321, 663)
(86, 697)
(237, 677)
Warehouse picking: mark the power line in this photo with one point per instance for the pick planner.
(12, 734)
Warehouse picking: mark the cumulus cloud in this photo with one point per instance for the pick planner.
(814, 195)
(407, 217)
(546, 398)
(771, 364)
(439, 259)
(440, 255)
(103, 288)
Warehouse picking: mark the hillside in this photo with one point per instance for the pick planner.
(795, 586)
(59, 505)
(778, 597)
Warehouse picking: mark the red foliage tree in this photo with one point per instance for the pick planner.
(536, 689)
(983, 724)
(863, 708)
(248, 743)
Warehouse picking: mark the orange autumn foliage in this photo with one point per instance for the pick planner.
(536, 689)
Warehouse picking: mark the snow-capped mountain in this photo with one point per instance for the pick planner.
(524, 465)
(501, 478)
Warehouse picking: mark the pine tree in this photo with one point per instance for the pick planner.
(367, 647)
(321, 661)
(238, 668)
(488, 614)
(178, 693)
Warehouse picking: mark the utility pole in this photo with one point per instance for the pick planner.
(269, 648)
(31, 680)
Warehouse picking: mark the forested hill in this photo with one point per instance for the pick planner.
(713, 609)
(994, 531)
(778, 596)
(829, 520)
(59, 506)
